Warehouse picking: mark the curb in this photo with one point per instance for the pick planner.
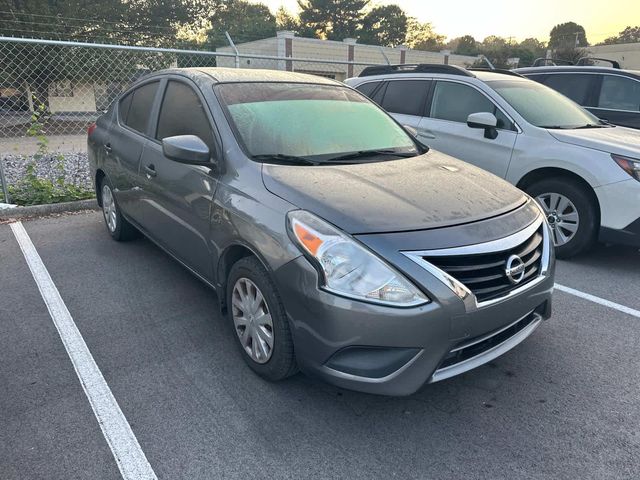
(48, 209)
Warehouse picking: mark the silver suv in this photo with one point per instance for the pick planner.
(584, 173)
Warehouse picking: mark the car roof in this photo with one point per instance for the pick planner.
(475, 75)
(227, 75)
(577, 69)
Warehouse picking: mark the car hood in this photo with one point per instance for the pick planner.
(428, 191)
(619, 140)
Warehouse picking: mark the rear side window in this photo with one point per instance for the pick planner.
(182, 113)
(135, 108)
(406, 97)
(619, 93)
(455, 102)
(573, 85)
(368, 88)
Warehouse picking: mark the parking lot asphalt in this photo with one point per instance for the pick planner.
(563, 404)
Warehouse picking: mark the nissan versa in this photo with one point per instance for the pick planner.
(337, 244)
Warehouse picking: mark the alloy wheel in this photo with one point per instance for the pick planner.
(562, 215)
(252, 320)
(109, 208)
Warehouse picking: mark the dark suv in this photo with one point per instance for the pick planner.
(612, 94)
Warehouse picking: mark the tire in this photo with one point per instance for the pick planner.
(279, 362)
(117, 226)
(551, 195)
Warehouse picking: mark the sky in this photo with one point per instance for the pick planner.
(517, 19)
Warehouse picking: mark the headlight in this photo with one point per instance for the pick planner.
(629, 165)
(348, 268)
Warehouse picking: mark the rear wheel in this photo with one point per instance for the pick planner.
(571, 213)
(117, 226)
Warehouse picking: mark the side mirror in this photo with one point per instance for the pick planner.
(188, 149)
(486, 121)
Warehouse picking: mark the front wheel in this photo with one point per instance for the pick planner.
(571, 213)
(260, 321)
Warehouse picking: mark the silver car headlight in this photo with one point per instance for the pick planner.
(347, 267)
(629, 165)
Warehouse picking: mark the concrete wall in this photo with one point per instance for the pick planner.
(82, 100)
(628, 54)
(316, 49)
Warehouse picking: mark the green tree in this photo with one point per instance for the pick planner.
(567, 35)
(528, 50)
(243, 20)
(332, 19)
(465, 45)
(384, 25)
(421, 36)
(628, 35)
(286, 21)
(497, 50)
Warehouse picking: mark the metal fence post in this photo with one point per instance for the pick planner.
(3, 182)
(235, 49)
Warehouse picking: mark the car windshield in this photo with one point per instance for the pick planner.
(542, 106)
(309, 123)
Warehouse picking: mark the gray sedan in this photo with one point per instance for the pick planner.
(336, 242)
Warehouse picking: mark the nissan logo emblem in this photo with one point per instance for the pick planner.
(515, 269)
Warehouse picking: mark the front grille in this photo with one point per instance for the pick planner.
(485, 274)
(472, 348)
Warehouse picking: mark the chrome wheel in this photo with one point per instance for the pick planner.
(109, 208)
(562, 215)
(252, 320)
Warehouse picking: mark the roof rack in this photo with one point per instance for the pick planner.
(503, 71)
(583, 61)
(542, 61)
(415, 68)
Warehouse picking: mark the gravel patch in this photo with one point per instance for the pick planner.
(76, 168)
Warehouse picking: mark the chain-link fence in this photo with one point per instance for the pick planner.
(51, 91)
(59, 88)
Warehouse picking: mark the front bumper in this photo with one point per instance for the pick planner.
(394, 351)
(620, 212)
(630, 235)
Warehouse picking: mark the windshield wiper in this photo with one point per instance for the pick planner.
(372, 153)
(569, 127)
(279, 157)
(591, 125)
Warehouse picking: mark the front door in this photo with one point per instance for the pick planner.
(451, 104)
(177, 198)
(618, 101)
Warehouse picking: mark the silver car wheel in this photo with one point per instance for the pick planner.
(562, 215)
(109, 208)
(252, 320)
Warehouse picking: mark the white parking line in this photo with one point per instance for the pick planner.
(131, 460)
(598, 300)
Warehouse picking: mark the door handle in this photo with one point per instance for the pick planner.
(107, 148)
(150, 170)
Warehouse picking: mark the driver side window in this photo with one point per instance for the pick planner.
(455, 102)
(182, 113)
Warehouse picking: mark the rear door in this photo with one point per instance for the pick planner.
(177, 198)
(579, 87)
(618, 100)
(451, 103)
(125, 143)
(406, 100)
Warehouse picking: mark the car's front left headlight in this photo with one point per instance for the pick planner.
(629, 165)
(347, 267)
